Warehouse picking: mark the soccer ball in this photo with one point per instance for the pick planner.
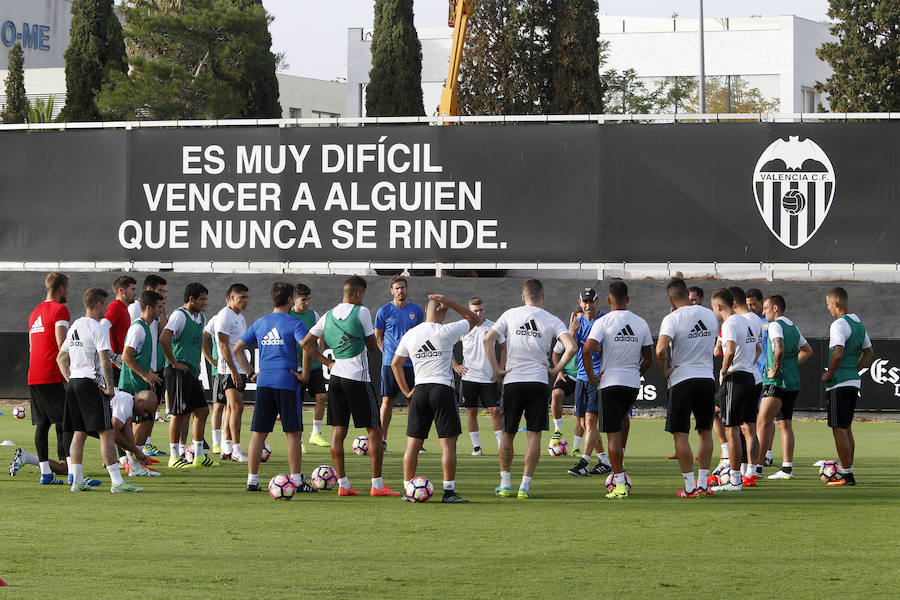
(611, 482)
(715, 478)
(324, 478)
(265, 453)
(559, 447)
(19, 412)
(281, 487)
(189, 454)
(830, 471)
(361, 445)
(793, 202)
(725, 476)
(419, 489)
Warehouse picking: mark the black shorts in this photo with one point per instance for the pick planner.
(741, 403)
(229, 383)
(316, 384)
(160, 391)
(272, 403)
(587, 400)
(47, 403)
(349, 397)
(185, 392)
(691, 396)
(841, 406)
(528, 398)
(615, 403)
(389, 386)
(433, 403)
(787, 397)
(87, 407)
(485, 394)
(218, 388)
(566, 384)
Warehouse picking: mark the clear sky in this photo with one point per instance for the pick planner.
(312, 34)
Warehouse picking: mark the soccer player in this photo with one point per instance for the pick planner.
(391, 321)
(850, 351)
(182, 341)
(117, 320)
(315, 387)
(626, 343)
(433, 399)
(748, 427)
(47, 327)
(277, 390)
(564, 386)
(529, 332)
(479, 386)
(139, 348)
(755, 300)
(347, 329)
(786, 351)
(84, 361)
(221, 429)
(230, 326)
(690, 330)
(587, 403)
(695, 294)
(126, 407)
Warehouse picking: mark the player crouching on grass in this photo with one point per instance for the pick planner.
(430, 347)
(124, 408)
(277, 383)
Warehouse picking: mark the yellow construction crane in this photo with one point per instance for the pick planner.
(460, 10)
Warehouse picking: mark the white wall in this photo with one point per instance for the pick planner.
(311, 96)
(53, 19)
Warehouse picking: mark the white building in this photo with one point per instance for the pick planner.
(774, 54)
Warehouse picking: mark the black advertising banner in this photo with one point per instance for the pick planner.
(741, 192)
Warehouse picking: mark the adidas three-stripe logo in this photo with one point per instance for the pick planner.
(699, 330)
(272, 339)
(428, 350)
(75, 341)
(38, 326)
(529, 329)
(626, 335)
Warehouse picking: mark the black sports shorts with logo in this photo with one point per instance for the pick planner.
(841, 406)
(316, 384)
(47, 402)
(218, 388)
(526, 398)
(349, 397)
(692, 396)
(741, 399)
(566, 384)
(87, 407)
(433, 403)
(787, 397)
(185, 391)
(615, 402)
(485, 394)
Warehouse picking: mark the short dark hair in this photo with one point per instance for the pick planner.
(94, 296)
(397, 279)
(838, 293)
(778, 301)
(696, 290)
(532, 288)
(354, 284)
(737, 294)
(755, 293)
(149, 298)
(724, 295)
(123, 281)
(194, 290)
(55, 280)
(237, 288)
(677, 289)
(303, 289)
(475, 301)
(281, 293)
(618, 289)
(153, 281)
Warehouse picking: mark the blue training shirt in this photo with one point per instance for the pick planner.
(761, 361)
(581, 336)
(396, 321)
(277, 336)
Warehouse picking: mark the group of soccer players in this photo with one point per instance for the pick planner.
(122, 359)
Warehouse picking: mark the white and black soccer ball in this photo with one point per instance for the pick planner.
(19, 412)
(793, 202)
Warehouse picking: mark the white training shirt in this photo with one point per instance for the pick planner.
(234, 326)
(134, 311)
(122, 404)
(739, 330)
(84, 340)
(621, 335)
(135, 338)
(176, 322)
(692, 329)
(837, 336)
(474, 357)
(776, 331)
(529, 332)
(356, 368)
(430, 347)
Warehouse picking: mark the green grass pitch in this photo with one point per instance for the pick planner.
(200, 535)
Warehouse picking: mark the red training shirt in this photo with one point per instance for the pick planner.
(42, 322)
(120, 320)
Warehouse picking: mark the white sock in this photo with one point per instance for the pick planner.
(31, 459)
(217, 437)
(586, 457)
(252, 479)
(297, 479)
(690, 484)
(526, 483)
(735, 477)
(77, 474)
(378, 483)
(133, 463)
(450, 485)
(147, 442)
(237, 449)
(604, 459)
(227, 447)
(846, 469)
(498, 434)
(504, 479)
(181, 448)
(620, 478)
(751, 470)
(743, 468)
(476, 441)
(702, 474)
(173, 449)
(769, 454)
(578, 440)
(115, 474)
(557, 424)
(198, 449)
(344, 483)
(787, 464)
(45, 467)
(317, 427)
(724, 448)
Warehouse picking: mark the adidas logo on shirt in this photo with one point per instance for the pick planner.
(529, 329)
(751, 339)
(699, 330)
(272, 339)
(428, 350)
(626, 335)
(76, 341)
(38, 327)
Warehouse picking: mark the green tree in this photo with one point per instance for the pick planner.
(575, 58)
(865, 60)
(41, 111)
(16, 109)
(95, 54)
(395, 80)
(626, 94)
